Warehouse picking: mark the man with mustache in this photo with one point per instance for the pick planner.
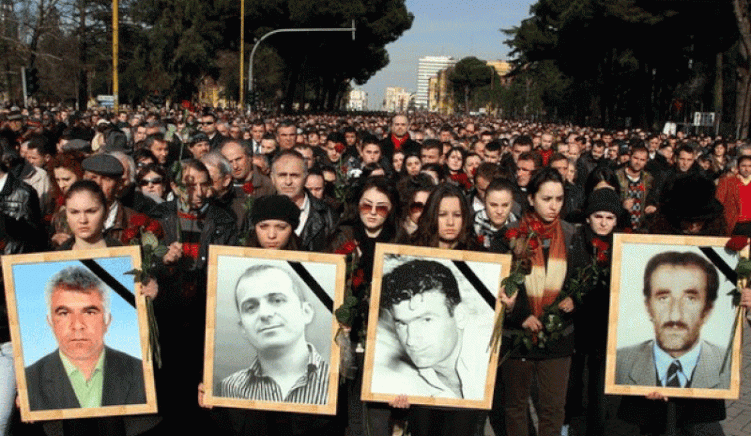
(83, 371)
(679, 291)
(273, 316)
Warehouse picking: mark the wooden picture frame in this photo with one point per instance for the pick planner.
(44, 391)
(231, 362)
(682, 322)
(463, 331)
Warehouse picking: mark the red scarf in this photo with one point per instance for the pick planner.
(545, 282)
(398, 142)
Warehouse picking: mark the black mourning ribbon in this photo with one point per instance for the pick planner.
(313, 285)
(110, 281)
(724, 268)
(472, 278)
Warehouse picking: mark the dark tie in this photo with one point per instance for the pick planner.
(672, 380)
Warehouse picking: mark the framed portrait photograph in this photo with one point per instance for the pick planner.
(430, 321)
(271, 330)
(80, 334)
(671, 326)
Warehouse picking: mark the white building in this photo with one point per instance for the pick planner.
(427, 67)
(358, 100)
(397, 99)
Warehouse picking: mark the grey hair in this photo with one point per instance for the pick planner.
(126, 160)
(217, 159)
(77, 279)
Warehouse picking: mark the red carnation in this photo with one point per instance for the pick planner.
(533, 243)
(339, 147)
(346, 248)
(139, 220)
(737, 243)
(155, 228)
(248, 188)
(129, 234)
(537, 227)
(481, 239)
(512, 233)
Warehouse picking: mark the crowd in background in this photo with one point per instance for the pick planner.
(75, 180)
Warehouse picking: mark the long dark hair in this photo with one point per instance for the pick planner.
(426, 234)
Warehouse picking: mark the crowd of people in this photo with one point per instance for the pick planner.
(76, 181)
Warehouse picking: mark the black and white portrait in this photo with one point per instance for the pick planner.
(434, 322)
(675, 317)
(273, 331)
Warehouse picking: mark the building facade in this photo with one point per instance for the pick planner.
(427, 67)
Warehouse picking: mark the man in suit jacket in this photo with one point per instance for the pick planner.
(82, 372)
(680, 289)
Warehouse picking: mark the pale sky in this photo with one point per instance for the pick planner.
(446, 28)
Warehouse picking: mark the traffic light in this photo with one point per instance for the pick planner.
(32, 81)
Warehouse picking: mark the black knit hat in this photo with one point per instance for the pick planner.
(604, 199)
(275, 207)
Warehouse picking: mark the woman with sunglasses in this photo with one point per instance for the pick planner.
(373, 221)
(152, 182)
(414, 192)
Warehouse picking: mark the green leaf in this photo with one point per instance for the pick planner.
(744, 267)
(350, 301)
(160, 251)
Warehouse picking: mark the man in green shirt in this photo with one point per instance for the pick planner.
(82, 372)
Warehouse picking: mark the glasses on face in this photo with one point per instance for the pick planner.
(154, 181)
(416, 206)
(380, 209)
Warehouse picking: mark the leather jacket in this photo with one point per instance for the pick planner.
(21, 216)
(318, 227)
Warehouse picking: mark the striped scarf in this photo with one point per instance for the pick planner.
(544, 283)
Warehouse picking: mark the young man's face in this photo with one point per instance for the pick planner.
(498, 206)
(79, 322)
(271, 314)
(34, 157)
(678, 306)
(371, 153)
(430, 155)
(685, 161)
(426, 329)
(637, 161)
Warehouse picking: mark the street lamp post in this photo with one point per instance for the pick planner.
(315, 29)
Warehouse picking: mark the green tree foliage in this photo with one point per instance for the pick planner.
(622, 58)
(467, 76)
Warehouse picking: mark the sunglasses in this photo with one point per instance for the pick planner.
(416, 206)
(154, 181)
(204, 123)
(380, 209)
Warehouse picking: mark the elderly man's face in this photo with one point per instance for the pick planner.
(238, 159)
(198, 186)
(426, 329)
(108, 184)
(677, 306)
(79, 322)
(271, 314)
(288, 176)
(399, 125)
(286, 136)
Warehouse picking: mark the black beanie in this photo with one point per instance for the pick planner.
(275, 207)
(604, 199)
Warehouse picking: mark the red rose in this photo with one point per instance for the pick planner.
(339, 147)
(533, 243)
(481, 239)
(600, 245)
(129, 234)
(358, 278)
(602, 258)
(248, 188)
(512, 233)
(537, 227)
(155, 228)
(139, 220)
(737, 243)
(346, 248)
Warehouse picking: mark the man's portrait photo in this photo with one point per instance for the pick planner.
(434, 323)
(80, 338)
(675, 317)
(274, 332)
